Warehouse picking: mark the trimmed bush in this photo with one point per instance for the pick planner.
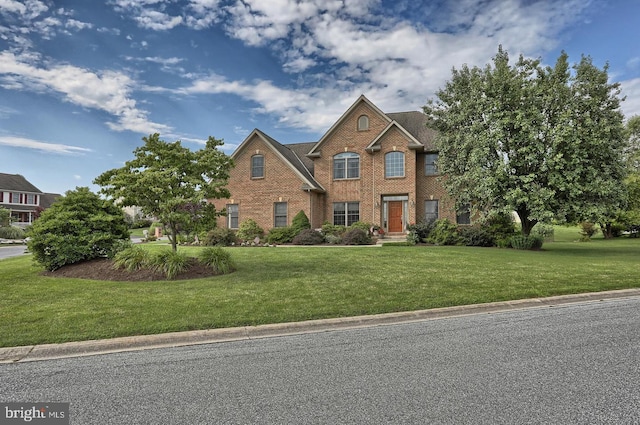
(422, 229)
(526, 242)
(169, 262)
(333, 239)
(132, 258)
(249, 230)
(308, 237)
(299, 223)
(218, 259)
(331, 229)
(476, 236)
(501, 226)
(220, 236)
(543, 230)
(356, 237)
(11, 232)
(280, 235)
(361, 225)
(78, 226)
(444, 232)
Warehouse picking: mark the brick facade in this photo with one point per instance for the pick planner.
(304, 177)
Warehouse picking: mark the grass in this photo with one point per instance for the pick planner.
(290, 284)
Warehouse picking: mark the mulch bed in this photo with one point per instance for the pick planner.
(102, 269)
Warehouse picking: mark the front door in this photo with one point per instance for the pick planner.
(395, 216)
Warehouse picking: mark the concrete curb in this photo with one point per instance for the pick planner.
(178, 339)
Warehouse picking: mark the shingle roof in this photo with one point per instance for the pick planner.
(16, 182)
(46, 199)
(415, 122)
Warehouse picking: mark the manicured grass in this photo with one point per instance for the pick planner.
(290, 284)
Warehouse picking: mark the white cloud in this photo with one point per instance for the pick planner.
(631, 89)
(158, 21)
(55, 148)
(107, 91)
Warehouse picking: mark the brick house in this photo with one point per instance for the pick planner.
(370, 166)
(22, 199)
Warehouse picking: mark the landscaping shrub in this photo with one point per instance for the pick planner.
(500, 226)
(11, 232)
(543, 230)
(476, 236)
(299, 223)
(587, 230)
(444, 232)
(356, 237)
(132, 258)
(422, 228)
(218, 259)
(249, 230)
(280, 235)
(169, 262)
(333, 239)
(331, 229)
(526, 242)
(362, 225)
(308, 237)
(220, 236)
(78, 226)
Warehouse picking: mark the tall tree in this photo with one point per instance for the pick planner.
(544, 142)
(166, 179)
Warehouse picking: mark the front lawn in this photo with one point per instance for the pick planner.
(294, 283)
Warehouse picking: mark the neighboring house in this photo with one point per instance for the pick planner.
(23, 199)
(370, 166)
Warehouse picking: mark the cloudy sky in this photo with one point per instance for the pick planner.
(81, 82)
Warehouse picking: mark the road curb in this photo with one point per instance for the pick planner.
(210, 336)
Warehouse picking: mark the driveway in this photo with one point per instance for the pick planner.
(12, 251)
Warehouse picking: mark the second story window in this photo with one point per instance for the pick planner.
(394, 164)
(15, 198)
(363, 123)
(430, 166)
(257, 166)
(346, 166)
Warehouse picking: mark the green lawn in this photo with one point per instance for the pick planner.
(290, 284)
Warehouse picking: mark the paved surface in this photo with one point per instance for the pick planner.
(568, 364)
(176, 339)
(7, 251)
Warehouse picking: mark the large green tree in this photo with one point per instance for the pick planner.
(545, 142)
(166, 179)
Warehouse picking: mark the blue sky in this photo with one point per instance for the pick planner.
(81, 82)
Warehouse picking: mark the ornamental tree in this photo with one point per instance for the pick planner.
(545, 142)
(166, 179)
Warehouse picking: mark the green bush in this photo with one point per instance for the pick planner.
(169, 262)
(280, 235)
(444, 232)
(526, 242)
(11, 232)
(333, 239)
(218, 259)
(476, 236)
(78, 226)
(132, 258)
(220, 236)
(543, 230)
(587, 230)
(422, 229)
(249, 230)
(332, 229)
(501, 226)
(356, 237)
(361, 225)
(299, 223)
(308, 237)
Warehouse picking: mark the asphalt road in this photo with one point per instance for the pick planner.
(12, 251)
(572, 364)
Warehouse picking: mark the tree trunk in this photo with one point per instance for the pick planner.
(607, 230)
(525, 222)
(173, 237)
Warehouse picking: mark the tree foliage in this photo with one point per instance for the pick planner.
(79, 226)
(168, 181)
(5, 216)
(546, 142)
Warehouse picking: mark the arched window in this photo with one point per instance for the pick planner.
(363, 123)
(257, 166)
(346, 166)
(394, 164)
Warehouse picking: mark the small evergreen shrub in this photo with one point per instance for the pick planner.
(444, 232)
(587, 230)
(356, 237)
(249, 230)
(11, 232)
(476, 236)
(169, 262)
(361, 225)
(280, 235)
(218, 259)
(219, 236)
(413, 237)
(543, 230)
(132, 258)
(501, 226)
(300, 222)
(331, 229)
(422, 229)
(308, 237)
(526, 242)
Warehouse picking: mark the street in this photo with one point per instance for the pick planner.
(572, 364)
(12, 251)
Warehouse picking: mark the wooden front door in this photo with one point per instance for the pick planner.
(395, 216)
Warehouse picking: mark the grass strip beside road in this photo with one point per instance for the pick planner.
(275, 285)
